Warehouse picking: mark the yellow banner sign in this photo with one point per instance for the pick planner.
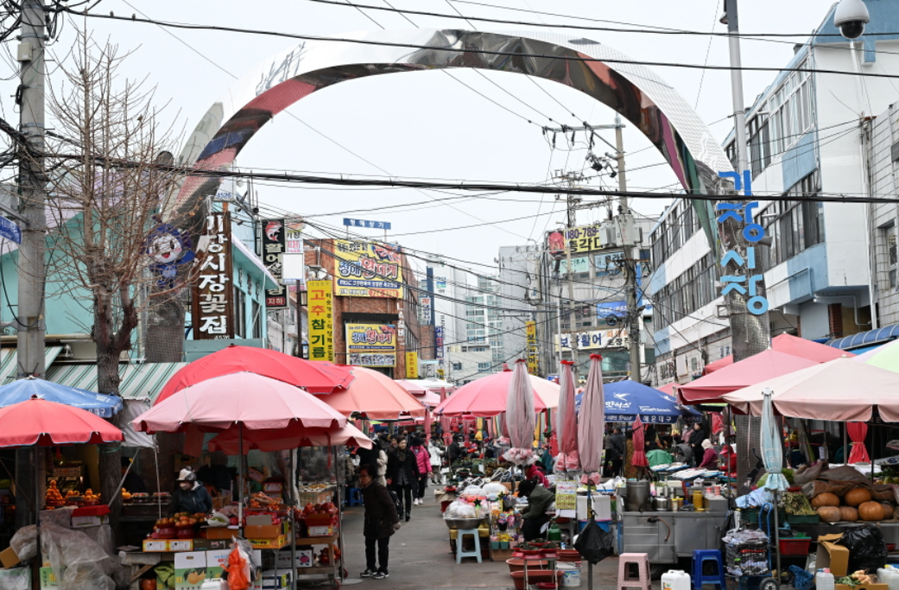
(411, 365)
(583, 239)
(365, 269)
(533, 352)
(320, 307)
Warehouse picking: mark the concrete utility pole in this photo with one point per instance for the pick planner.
(750, 334)
(571, 209)
(30, 310)
(634, 315)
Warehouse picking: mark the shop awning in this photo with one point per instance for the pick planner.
(9, 359)
(139, 380)
(866, 339)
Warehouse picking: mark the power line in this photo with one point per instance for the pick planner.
(463, 50)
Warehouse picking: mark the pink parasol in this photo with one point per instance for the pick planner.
(248, 399)
(639, 459)
(520, 417)
(271, 441)
(857, 432)
(788, 344)
(376, 396)
(45, 423)
(566, 423)
(591, 421)
(486, 397)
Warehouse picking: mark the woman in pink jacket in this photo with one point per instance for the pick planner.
(424, 470)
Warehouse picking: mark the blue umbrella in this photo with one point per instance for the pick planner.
(104, 406)
(625, 400)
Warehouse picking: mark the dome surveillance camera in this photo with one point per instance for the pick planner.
(851, 17)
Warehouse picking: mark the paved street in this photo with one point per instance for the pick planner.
(420, 557)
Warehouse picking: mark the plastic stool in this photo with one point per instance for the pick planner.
(354, 497)
(477, 545)
(642, 580)
(702, 556)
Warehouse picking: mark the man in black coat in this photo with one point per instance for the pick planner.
(616, 451)
(455, 450)
(402, 474)
(381, 521)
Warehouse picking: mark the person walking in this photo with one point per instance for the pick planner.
(380, 522)
(435, 452)
(617, 449)
(402, 475)
(697, 435)
(423, 460)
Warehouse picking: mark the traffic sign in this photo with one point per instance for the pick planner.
(10, 230)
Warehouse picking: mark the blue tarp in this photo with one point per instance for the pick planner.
(22, 390)
(625, 399)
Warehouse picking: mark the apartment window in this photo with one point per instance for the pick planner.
(759, 148)
(240, 313)
(795, 225)
(483, 366)
(257, 320)
(891, 253)
(457, 366)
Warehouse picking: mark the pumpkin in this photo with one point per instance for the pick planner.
(848, 513)
(887, 510)
(870, 511)
(825, 499)
(829, 513)
(857, 497)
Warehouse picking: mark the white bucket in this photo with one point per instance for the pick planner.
(571, 574)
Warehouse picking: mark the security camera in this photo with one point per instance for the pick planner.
(851, 17)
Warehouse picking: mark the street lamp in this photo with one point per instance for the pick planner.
(850, 17)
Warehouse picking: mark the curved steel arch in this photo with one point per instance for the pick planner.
(634, 91)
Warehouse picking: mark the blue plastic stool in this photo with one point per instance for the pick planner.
(354, 497)
(477, 545)
(702, 556)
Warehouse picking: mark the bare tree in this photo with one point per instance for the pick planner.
(109, 183)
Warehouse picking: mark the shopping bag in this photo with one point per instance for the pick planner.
(594, 544)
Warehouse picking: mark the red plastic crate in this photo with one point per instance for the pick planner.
(98, 510)
(795, 546)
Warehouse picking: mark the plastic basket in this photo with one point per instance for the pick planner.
(795, 546)
(803, 518)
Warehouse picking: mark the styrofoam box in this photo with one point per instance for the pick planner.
(304, 558)
(602, 507)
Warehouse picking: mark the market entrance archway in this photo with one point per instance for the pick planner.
(599, 71)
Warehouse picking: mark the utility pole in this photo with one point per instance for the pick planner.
(750, 334)
(571, 203)
(30, 310)
(634, 316)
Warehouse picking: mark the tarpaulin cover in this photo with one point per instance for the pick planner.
(772, 451)
(22, 390)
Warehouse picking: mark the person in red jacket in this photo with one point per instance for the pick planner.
(534, 472)
(423, 458)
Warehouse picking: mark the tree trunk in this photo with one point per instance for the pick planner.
(110, 454)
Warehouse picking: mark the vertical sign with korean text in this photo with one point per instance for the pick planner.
(213, 297)
(320, 308)
(273, 247)
(747, 282)
(438, 342)
(566, 498)
(533, 353)
(412, 365)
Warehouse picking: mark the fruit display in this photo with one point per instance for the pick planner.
(90, 498)
(54, 498)
(261, 501)
(856, 504)
(126, 495)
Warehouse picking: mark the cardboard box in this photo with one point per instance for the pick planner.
(219, 532)
(501, 554)
(216, 562)
(275, 579)
(276, 543)
(9, 558)
(269, 531)
(320, 531)
(211, 544)
(156, 545)
(259, 520)
(181, 545)
(19, 577)
(304, 558)
(833, 556)
(80, 522)
(190, 569)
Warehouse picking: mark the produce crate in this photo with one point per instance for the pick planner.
(795, 546)
(802, 518)
(751, 516)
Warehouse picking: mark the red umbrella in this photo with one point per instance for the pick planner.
(46, 424)
(755, 369)
(253, 401)
(857, 432)
(807, 349)
(591, 421)
(486, 397)
(376, 396)
(566, 421)
(271, 441)
(313, 376)
(639, 459)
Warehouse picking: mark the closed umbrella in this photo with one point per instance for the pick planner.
(857, 432)
(520, 417)
(772, 452)
(591, 421)
(639, 459)
(566, 422)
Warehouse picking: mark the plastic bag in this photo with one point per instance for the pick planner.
(217, 519)
(594, 544)
(867, 549)
(78, 562)
(24, 542)
(473, 491)
(493, 490)
(240, 574)
(459, 509)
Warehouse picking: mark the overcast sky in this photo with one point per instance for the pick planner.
(428, 125)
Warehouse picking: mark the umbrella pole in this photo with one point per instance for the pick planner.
(340, 486)
(293, 524)
(240, 475)
(38, 560)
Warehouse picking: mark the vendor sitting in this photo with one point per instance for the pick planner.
(709, 457)
(191, 496)
(534, 516)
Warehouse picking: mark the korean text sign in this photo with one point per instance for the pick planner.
(320, 308)
(213, 302)
(371, 345)
(367, 269)
(533, 352)
(273, 247)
